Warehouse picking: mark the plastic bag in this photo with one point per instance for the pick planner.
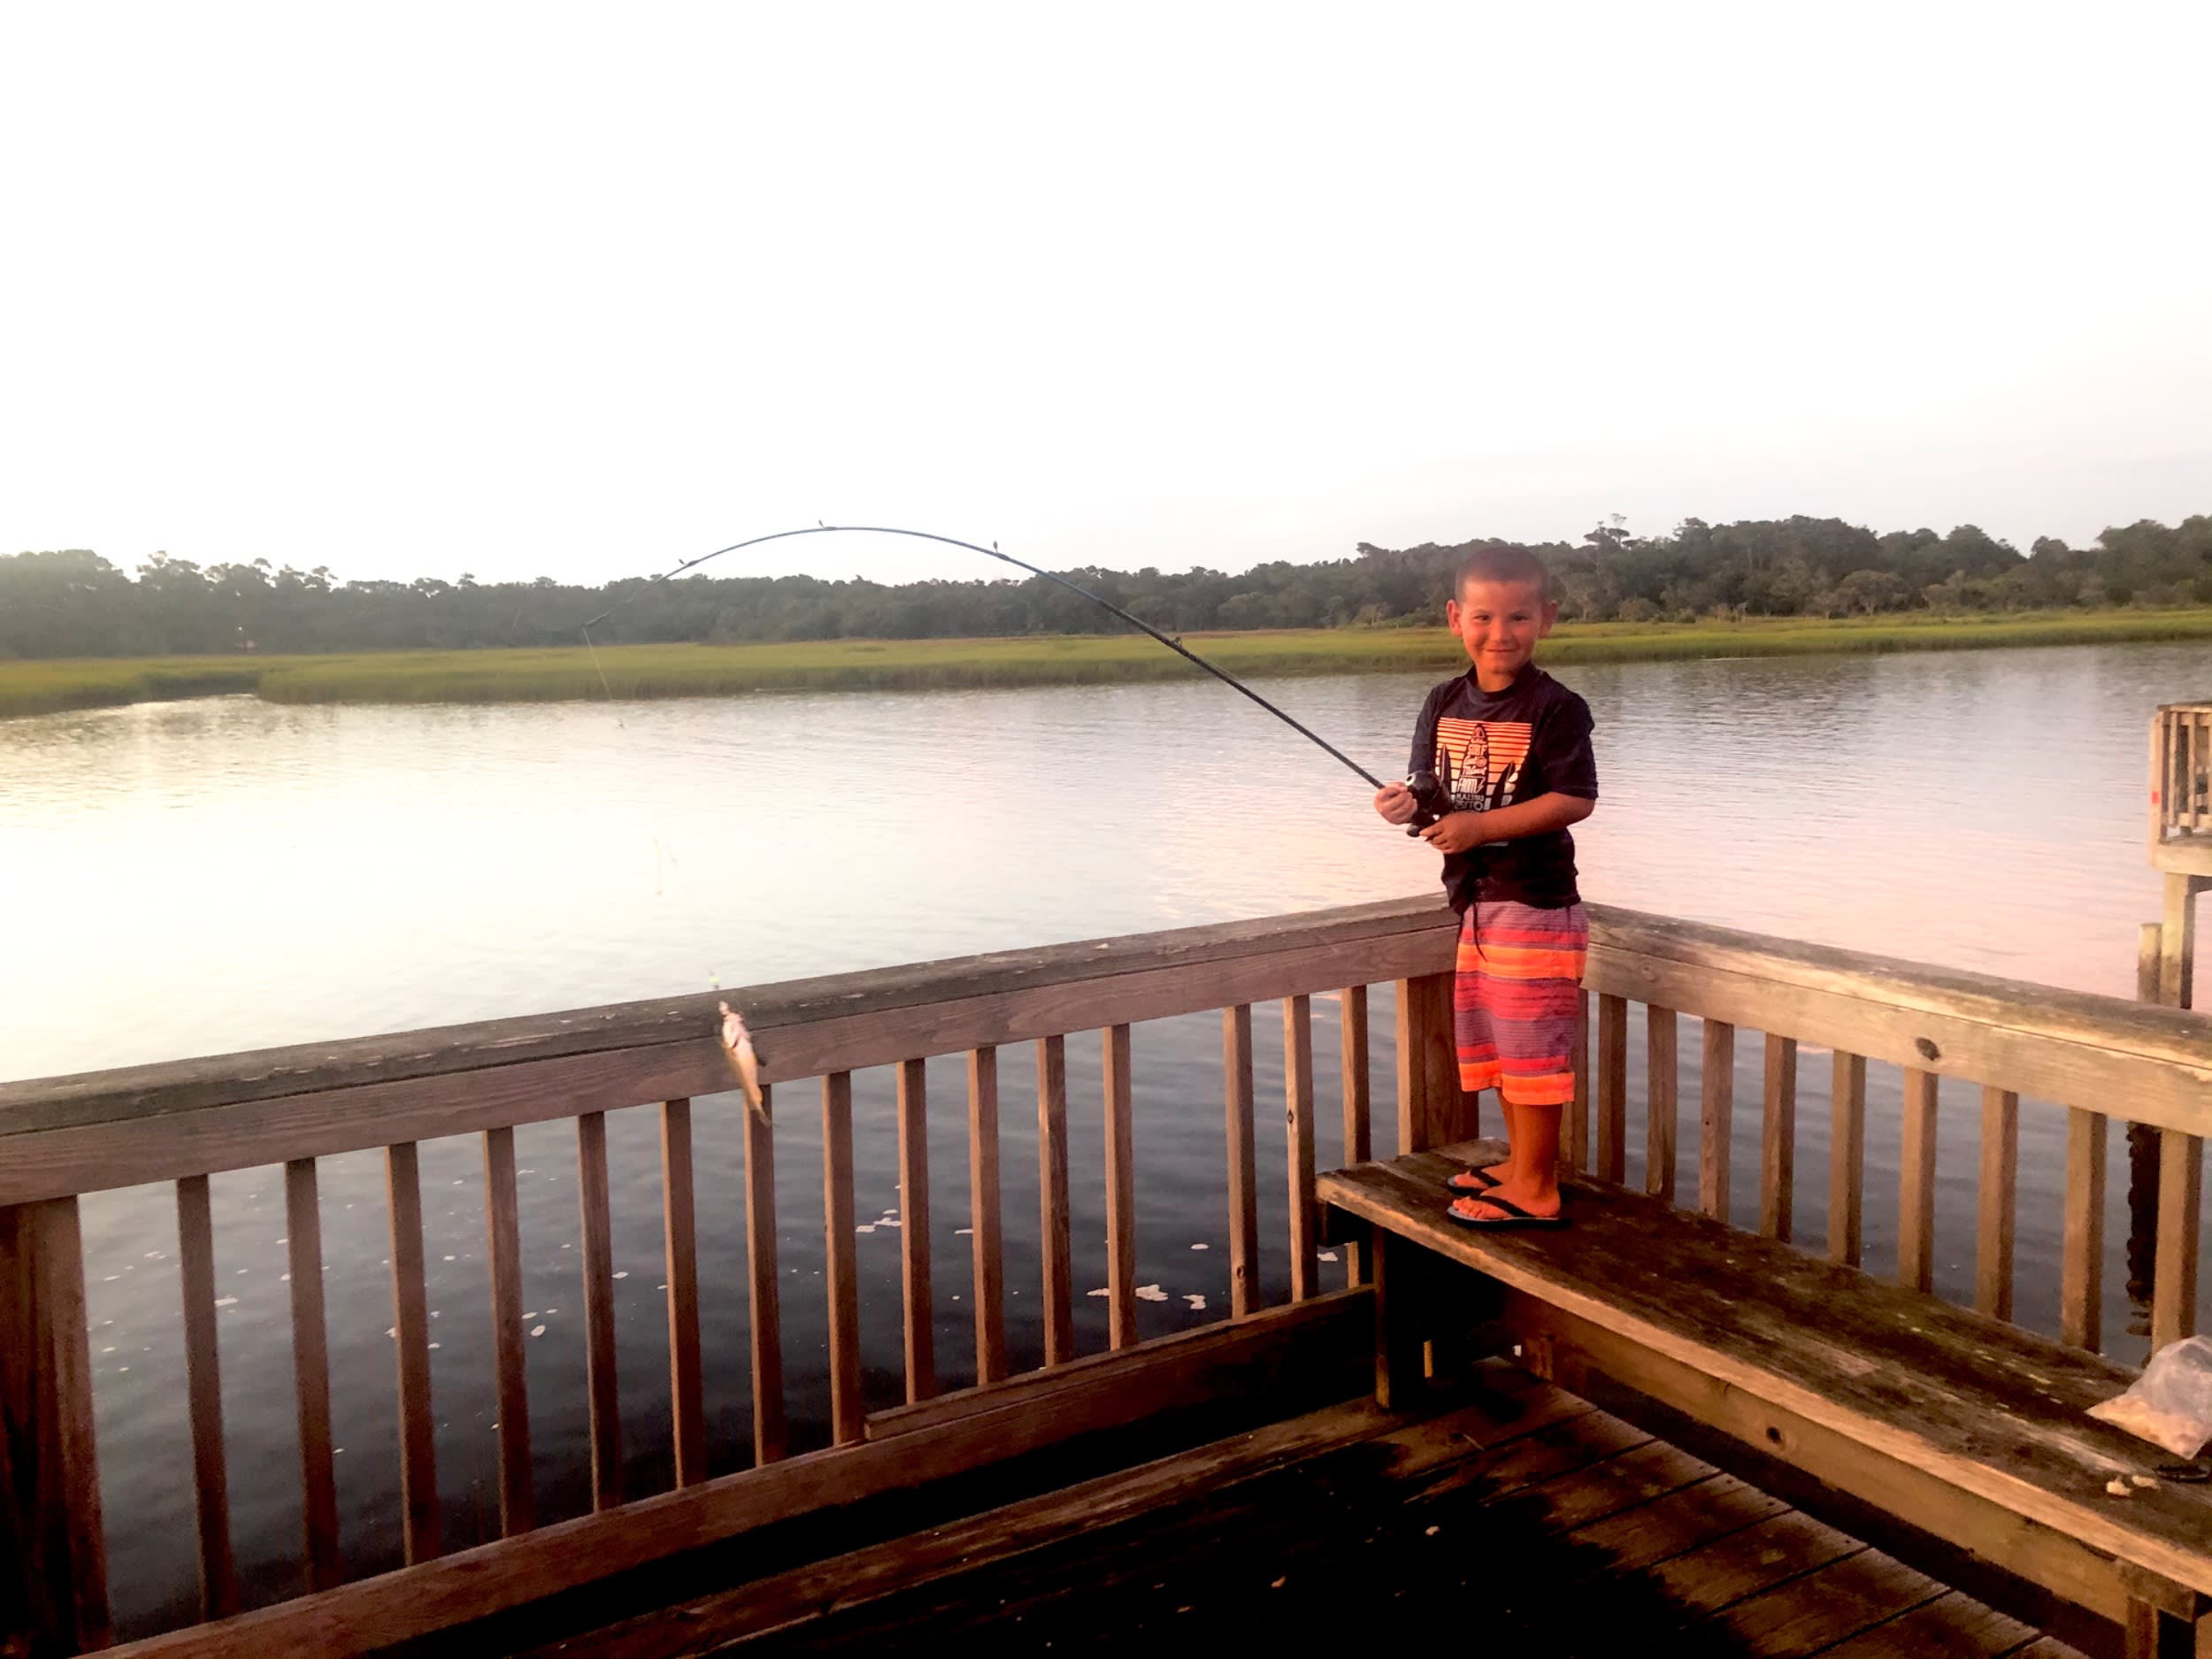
(2170, 1404)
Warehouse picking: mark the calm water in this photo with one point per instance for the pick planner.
(196, 877)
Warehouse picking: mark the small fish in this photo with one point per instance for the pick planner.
(737, 1043)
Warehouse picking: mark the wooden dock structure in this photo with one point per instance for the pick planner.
(1817, 1389)
(2180, 839)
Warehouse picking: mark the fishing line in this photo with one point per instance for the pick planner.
(1175, 645)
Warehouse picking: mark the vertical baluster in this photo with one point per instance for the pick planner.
(1358, 1147)
(310, 1370)
(763, 1294)
(1994, 1215)
(53, 1587)
(1915, 1184)
(1121, 1195)
(600, 1382)
(1052, 1199)
(1847, 1158)
(848, 1417)
(920, 1303)
(1244, 1215)
(203, 1392)
(1612, 1088)
(679, 1253)
(1716, 1110)
(1574, 1138)
(1777, 1139)
(983, 1215)
(410, 1324)
(2174, 1269)
(1660, 1053)
(1428, 1064)
(502, 1231)
(2081, 1249)
(1305, 1268)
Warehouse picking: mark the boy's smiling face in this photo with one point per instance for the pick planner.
(1499, 623)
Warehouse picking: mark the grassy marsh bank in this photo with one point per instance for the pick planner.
(700, 671)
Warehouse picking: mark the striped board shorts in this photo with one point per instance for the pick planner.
(1515, 1000)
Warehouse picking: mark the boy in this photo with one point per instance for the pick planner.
(1510, 748)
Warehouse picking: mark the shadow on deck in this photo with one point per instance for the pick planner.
(1512, 1516)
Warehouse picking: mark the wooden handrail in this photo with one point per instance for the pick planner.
(60, 1136)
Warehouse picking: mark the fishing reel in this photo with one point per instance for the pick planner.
(1430, 803)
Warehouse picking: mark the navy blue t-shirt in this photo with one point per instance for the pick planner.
(1491, 749)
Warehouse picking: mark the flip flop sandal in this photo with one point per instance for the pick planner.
(1514, 1216)
(1487, 1180)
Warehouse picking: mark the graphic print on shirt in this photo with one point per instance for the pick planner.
(1479, 762)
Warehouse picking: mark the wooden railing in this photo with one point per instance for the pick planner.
(63, 1138)
(2181, 771)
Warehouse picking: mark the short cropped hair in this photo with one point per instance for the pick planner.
(1504, 562)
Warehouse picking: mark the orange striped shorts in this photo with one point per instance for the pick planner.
(1515, 1000)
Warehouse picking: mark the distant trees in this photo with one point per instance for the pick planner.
(75, 603)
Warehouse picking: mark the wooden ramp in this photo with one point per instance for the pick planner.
(1513, 1517)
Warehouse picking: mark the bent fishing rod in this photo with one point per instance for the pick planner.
(1138, 622)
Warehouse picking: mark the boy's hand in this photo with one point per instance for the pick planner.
(1396, 803)
(1455, 831)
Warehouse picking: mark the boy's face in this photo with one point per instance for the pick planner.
(1499, 624)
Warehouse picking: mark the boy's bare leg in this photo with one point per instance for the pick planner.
(1513, 1137)
(1531, 1179)
(1498, 1172)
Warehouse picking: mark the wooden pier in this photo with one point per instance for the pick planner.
(912, 1502)
(2181, 838)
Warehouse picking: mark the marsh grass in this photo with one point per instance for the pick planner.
(707, 671)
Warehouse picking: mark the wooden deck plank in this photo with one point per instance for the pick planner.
(1612, 1484)
(1810, 1612)
(1679, 1522)
(1574, 1534)
(1952, 1626)
(1756, 1558)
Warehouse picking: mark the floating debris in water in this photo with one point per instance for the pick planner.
(1150, 1293)
(625, 1273)
(1201, 1247)
(537, 1330)
(227, 1301)
(1100, 1291)
(1328, 1256)
(962, 1232)
(2119, 1488)
(866, 1227)
(1197, 1302)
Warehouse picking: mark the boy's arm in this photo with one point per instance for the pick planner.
(1457, 831)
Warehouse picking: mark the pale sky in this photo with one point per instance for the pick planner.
(548, 289)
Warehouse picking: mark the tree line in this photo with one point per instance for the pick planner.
(76, 603)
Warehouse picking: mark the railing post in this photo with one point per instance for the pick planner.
(53, 1563)
(1429, 1111)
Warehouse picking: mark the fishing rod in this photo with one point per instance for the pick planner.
(1175, 645)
